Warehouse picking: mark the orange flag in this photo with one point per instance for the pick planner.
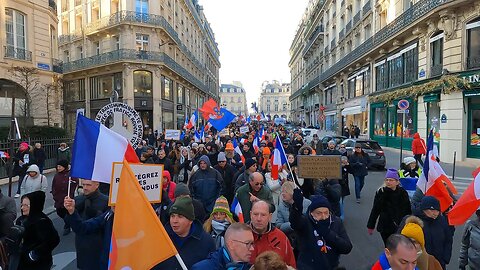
(139, 240)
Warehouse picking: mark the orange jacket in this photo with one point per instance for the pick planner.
(418, 145)
(273, 240)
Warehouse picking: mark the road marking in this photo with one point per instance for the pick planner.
(61, 260)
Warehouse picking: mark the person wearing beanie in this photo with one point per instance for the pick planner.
(233, 158)
(168, 186)
(438, 234)
(39, 238)
(264, 158)
(390, 205)
(191, 241)
(469, 255)
(219, 221)
(60, 183)
(227, 172)
(413, 229)
(409, 168)
(321, 236)
(206, 184)
(242, 179)
(181, 190)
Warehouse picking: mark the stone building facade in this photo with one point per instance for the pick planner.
(234, 98)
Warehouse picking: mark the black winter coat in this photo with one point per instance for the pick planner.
(359, 164)
(389, 207)
(227, 173)
(310, 257)
(89, 246)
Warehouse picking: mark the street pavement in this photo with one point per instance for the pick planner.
(366, 248)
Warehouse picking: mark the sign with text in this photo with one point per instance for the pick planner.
(224, 132)
(319, 167)
(172, 134)
(244, 129)
(149, 177)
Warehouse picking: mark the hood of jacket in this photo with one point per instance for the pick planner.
(310, 150)
(64, 149)
(37, 202)
(205, 159)
(34, 168)
(416, 136)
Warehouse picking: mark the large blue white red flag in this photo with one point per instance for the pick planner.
(433, 180)
(278, 159)
(237, 210)
(193, 120)
(237, 149)
(186, 122)
(95, 148)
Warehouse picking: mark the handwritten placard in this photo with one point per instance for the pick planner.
(244, 129)
(172, 134)
(319, 167)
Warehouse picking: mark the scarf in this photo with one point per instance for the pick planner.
(219, 227)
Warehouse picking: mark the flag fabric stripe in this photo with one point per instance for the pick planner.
(237, 210)
(278, 158)
(467, 204)
(95, 148)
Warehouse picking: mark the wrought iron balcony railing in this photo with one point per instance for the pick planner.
(17, 53)
(57, 65)
(313, 38)
(473, 62)
(132, 17)
(52, 4)
(132, 55)
(367, 7)
(436, 70)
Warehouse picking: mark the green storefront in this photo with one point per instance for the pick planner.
(472, 100)
(386, 124)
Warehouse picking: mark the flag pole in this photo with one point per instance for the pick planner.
(180, 261)
(69, 179)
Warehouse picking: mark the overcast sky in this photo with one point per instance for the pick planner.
(254, 37)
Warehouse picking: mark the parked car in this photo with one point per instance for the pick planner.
(370, 147)
(337, 139)
(308, 134)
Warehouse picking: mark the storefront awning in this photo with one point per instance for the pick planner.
(352, 110)
(331, 113)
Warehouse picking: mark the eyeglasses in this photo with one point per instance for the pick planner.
(222, 161)
(258, 184)
(248, 245)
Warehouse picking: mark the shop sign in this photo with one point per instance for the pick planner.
(356, 102)
(119, 110)
(443, 119)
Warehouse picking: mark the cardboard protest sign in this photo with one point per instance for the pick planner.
(319, 167)
(244, 129)
(149, 177)
(172, 134)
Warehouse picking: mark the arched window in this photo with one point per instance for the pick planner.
(473, 43)
(142, 83)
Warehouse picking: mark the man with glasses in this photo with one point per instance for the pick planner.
(400, 254)
(267, 236)
(242, 178)
(253, 191)
(235, 255)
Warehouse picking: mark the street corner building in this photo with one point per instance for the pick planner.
(158, 56)
(352, 61)
(29, 69)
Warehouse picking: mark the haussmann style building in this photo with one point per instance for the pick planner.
(274, 100)
(352, 61)
(160, 57)
(234, 98)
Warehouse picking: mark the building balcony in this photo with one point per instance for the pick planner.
(357, 17)
(348, 27)
(68, 38)
(473, 62)
(367, 7)
(327, 50)
(341, 34)
(390, 31)
(314, 39)
(436, 70)
(333, 43)
(17, 53)
(132, 17)
(127, 55)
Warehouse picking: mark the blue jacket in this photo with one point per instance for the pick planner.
(193, 248)
(206, 185)
(310, 257)
(220, 260)
(102, 223)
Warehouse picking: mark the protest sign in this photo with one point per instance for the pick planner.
(224, 132)
(244, 129)
(172, 134)
(149, 177)
(319, 167)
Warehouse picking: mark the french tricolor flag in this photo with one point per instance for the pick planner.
(237, 149)
(256, 144)
(278, 159)
(186, 122)
(468, 203)
(237, 210)
(193, 120)
(95, 148)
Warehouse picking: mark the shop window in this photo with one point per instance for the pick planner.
(167, 87)
(433, 117)
(142, 83)
(408, 128)
(379, 126)
(391, 122)
(473, 44)
(167, 119)
(102, 86)
(75, 90)
(436, 55)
